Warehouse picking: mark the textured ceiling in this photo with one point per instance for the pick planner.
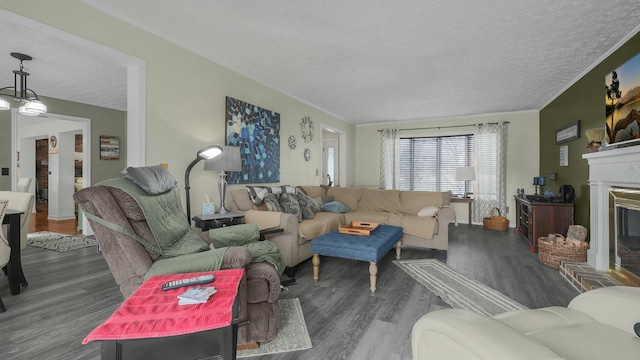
(60, 67)
(369, 61)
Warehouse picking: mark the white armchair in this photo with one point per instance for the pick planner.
(5, 250)
(598, 324)
(23, 184)
(22, 202)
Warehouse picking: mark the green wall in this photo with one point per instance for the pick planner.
(583, 101)
(103, 122)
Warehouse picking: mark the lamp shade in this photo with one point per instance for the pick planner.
(228, 161)
(465, 173)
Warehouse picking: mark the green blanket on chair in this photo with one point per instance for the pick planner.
(165, 217)
(248, 235)
(175, 237)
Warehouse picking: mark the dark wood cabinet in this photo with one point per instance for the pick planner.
(538, 219)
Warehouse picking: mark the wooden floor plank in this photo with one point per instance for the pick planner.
(70, 293)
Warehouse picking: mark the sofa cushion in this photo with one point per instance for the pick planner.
(322, 223)
(419, 226)
(379, 217)
(335, 207)
(414, 201)
(313, 190)
(379, 200)
(348, 196)
(241, 199)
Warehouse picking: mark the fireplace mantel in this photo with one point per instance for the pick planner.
(618, 167)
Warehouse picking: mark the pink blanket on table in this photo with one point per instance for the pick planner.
(151, 312)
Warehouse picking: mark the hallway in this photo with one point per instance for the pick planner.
(39, 222)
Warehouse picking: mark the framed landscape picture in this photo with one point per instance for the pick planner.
(622, 103)
(257, 132)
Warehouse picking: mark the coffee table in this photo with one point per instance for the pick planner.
(151, 325)
(355, 247)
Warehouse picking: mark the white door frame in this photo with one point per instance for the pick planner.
(136, 93)
(342, 154)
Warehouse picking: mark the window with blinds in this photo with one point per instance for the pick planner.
(429, 163)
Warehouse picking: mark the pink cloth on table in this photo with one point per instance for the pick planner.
(150, 312)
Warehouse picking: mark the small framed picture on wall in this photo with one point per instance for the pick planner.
(564, 155)
(568, 133)
(109, 147)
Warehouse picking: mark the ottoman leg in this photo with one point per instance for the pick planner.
(373, 271)
(398, 249)
(316, 266)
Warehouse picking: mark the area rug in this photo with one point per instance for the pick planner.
(456, 289)
(59, 242)
(292, 336)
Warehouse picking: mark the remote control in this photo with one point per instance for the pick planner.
(198, 280)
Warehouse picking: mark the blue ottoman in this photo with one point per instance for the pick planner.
(364, 248)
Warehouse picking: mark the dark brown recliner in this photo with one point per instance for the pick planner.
(128, 261)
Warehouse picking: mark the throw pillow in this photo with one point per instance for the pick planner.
(318, 202)
(272, 202)
(335, 207)
(258, 193)
(290, 205)
(428, 211)
(152, 179)
(307, 205)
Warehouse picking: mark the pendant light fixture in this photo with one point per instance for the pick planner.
(32, 106)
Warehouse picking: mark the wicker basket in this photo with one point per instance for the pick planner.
(496, 221)
(553, 249)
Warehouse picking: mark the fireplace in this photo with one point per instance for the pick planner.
(624, 219)
(614, 176)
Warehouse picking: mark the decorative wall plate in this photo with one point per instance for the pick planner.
(306, 128)
(307, 154)
(292, 142)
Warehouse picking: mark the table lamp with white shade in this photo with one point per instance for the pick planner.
(465, 173)
(228, 161)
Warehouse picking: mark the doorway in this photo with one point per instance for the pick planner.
(51, 152)
(330, 162)
(334, 158)
(41, 174)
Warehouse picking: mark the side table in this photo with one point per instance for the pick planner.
(151, 325)
(212, 221)
(469, 201)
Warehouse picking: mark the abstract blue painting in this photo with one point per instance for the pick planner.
(257, 132)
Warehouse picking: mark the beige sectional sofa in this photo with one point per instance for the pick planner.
(387, 207)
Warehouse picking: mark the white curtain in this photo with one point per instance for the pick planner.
(490, 157)
(389, 158)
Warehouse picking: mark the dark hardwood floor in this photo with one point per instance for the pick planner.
(39, 222)
(70, 293)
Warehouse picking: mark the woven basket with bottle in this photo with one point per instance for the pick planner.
(555, 248)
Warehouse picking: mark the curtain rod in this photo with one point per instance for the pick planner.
(442, 127)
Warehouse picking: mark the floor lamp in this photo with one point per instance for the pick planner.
(229, 161)
(210, 152)
(465, 173)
